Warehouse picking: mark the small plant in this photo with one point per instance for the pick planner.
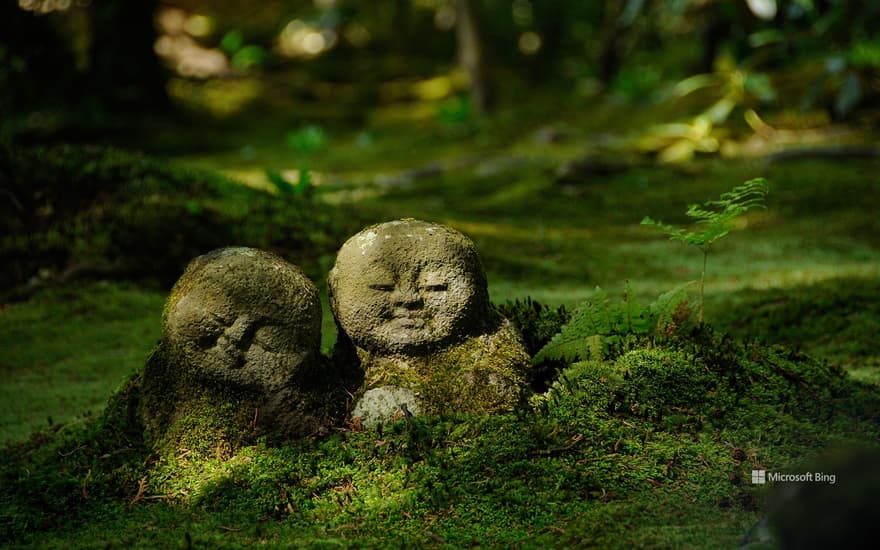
(716, 219)
(301, 187)
(601, 329)
(307, 139)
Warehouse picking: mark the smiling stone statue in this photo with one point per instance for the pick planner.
(240, 352)
(412, 298)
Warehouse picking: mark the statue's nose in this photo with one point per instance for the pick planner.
(406, 296)
(240, 333)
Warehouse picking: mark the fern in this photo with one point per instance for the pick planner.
(715, 219)
(598, 325)
(302, 187)
(537, 323)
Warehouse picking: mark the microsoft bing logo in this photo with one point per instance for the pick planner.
(759, 476)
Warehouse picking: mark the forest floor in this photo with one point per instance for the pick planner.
(553, 202)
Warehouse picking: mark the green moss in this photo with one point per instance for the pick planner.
(650, 448)
(483, 374)
(837, 319)
(59, 372)
(183, 415)
(76, 211)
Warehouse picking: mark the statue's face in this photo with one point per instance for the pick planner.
(407, 289)
(246, 330)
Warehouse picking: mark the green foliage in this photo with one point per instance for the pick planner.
(302, 187)
(865, 54)
(716, 218)
(307, 140)
(836, 319)
(637, 83)
(536, 322)
(455, 111)
(601, 328)
(232, 41)
(249, 56)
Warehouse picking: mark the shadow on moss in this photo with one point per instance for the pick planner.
(78, 211)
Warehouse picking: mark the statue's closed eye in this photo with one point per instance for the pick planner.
(436, 287)
(384, 287)
(209, 340)
(267, 338)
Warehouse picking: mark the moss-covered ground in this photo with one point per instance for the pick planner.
(651, 446)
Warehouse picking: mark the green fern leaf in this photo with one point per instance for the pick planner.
(716, 218)
(569, 344)
(670, 309)
(596, 324)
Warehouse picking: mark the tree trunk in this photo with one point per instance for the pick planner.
(472, 55)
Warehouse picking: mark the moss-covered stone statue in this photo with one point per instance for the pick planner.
(412, 300)
(239, 356)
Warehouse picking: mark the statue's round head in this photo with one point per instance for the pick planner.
(408, 286)
(243, 317)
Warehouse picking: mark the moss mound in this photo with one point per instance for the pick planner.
(651, 446)
(71, 211)
(837, 319)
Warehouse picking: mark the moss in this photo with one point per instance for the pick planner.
(87, 211)
(585, 466)
(483, 374)
(537, 324)
(184, 415)
(836, 319)
(706, 377)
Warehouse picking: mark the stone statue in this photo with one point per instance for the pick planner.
(240, 354)
(411, 298)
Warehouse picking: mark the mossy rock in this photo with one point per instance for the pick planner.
(411, 299)
(239, 357)
(482, 375)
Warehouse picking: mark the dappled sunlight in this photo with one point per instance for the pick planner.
(217, 97)
(516, 231)
(298, 39)
(136, 137)
(529, 42)
(257, 178)
(794, 276)
(427, 90)
(179, 48)
(49, 6)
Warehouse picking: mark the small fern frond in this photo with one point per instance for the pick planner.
(572, 342)
(598, 325)
(670, 311)
(717, 218)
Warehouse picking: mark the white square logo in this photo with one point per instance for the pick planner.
(759, 477)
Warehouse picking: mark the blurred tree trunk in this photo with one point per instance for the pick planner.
(125, 74)
(551, 17)
(472, 55)
(609, 49)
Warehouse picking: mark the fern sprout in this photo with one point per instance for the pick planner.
(715, 219)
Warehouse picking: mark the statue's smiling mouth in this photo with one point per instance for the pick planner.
(407, 320)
